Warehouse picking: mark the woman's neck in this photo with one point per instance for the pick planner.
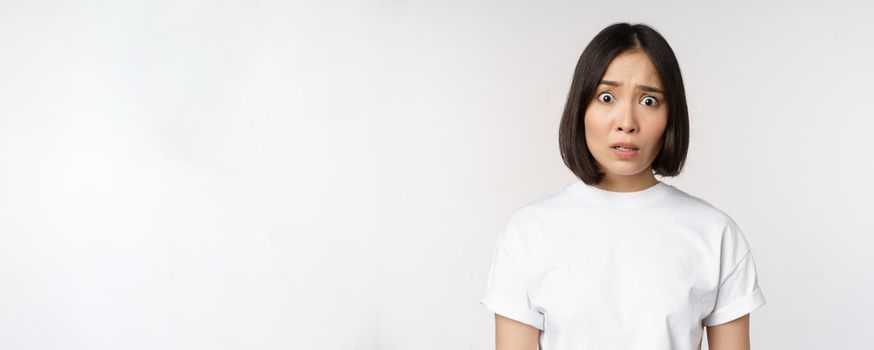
(628, 183)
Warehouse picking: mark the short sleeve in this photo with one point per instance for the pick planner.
(738, 293)
(506, 288)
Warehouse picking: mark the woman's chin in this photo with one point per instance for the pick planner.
(626, 170)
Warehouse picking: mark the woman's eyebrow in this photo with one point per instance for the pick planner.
(643, 87)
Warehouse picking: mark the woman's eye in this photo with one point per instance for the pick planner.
(605, 97)
(649, 101)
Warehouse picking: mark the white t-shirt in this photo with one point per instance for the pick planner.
(597, 269)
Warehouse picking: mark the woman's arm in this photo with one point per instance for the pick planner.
(734, 335)
(514, 335)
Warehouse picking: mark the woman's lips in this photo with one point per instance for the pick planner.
(624, 153)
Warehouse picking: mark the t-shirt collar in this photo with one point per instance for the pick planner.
(619, 199)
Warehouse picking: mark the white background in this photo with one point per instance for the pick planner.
(275, 175)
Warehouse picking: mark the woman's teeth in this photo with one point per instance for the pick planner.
(624, 149)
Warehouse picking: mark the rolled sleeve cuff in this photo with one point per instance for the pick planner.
(737, 309)
(507, 307)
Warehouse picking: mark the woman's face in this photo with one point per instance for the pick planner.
(628, 106)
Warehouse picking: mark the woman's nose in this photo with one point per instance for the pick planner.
(626, 121)
(626, 128)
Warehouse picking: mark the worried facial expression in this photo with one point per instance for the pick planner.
(628, 106)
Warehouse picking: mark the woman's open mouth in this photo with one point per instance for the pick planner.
(625, 152)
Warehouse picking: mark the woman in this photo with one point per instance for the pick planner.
(618, 259)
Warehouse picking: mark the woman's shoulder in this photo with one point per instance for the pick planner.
(697, 207)
(546, 204)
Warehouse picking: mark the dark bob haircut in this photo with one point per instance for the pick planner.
(609, 43)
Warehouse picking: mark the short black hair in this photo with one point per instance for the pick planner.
(606, 45)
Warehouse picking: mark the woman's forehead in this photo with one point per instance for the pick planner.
(634, 68)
